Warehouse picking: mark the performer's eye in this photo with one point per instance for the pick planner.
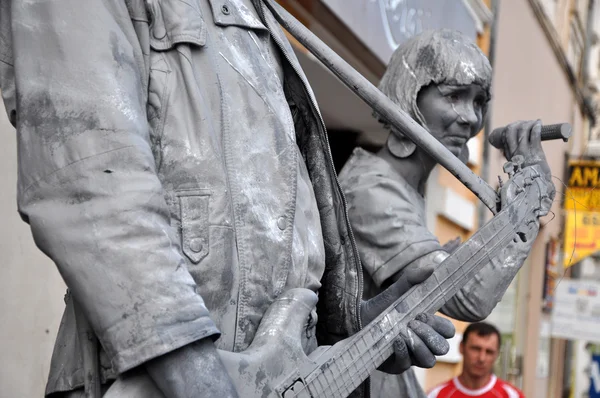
(479, 102)
(454, 94)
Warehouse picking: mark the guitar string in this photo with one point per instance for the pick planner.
(507, 239)
(353, 343)
(396, 324)
(440, 295)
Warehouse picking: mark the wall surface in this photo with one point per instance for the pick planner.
(31, 290)
(529, 84)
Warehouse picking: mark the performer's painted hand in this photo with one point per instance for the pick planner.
(192, 371)
(523, 138)
(423, 339)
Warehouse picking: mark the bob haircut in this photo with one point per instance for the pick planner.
(441, 56)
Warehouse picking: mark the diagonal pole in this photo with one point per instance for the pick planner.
(384, 106)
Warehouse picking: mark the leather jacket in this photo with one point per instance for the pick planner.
(136, 192)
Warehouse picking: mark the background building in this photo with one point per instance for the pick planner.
(546, 59)
(542, 68)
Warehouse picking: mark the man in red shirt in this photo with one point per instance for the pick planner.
(480, 348)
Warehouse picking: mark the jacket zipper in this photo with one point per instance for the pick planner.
(331, 169)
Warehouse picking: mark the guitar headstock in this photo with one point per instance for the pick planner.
(530, 181)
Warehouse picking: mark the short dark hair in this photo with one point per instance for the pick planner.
(482, 329)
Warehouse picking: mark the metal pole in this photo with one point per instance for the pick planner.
(487, 129)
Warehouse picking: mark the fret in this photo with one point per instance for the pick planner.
(339, 371)
(330, 387)
(367, 338)
(319, 389)
(351, 351)
(363, 361)
(355, 367)
(354, 382)
(341, 374)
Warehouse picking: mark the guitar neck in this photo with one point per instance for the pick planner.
(347, 364)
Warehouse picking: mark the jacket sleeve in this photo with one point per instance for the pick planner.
(74, 84)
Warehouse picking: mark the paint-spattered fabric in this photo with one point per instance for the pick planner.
(388, 221)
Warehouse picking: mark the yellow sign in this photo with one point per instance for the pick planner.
(582, 205)
(582, 235)
(583, 186)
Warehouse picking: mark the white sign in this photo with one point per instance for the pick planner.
(383, 24)
(453, 355)
(576, 313)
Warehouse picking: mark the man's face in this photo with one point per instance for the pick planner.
(479, 354)
(453, 114)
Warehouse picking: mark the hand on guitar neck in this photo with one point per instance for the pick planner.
(424, 337)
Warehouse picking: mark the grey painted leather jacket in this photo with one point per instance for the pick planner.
(136, 196)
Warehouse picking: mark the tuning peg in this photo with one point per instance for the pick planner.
(509, 168)
(518, 161)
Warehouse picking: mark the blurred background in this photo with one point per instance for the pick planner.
(546, 60)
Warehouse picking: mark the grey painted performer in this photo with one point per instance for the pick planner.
(442, 79)
(174, 165)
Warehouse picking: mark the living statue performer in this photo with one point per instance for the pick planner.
(442, 80)
(174, 166)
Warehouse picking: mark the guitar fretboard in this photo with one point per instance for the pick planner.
(341, 371)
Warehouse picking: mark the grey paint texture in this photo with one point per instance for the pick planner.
(165, 155)
(112, 166)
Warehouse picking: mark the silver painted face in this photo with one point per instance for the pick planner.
(434, 57)
(453, 113)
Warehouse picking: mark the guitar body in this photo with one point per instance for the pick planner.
(271, 362)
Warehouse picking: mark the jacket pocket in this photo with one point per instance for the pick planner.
(172, 23)
(194, 207)
(175, 21)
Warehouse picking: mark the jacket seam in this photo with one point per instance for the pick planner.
(40, 180)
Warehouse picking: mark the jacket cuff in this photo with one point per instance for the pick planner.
(140, 343)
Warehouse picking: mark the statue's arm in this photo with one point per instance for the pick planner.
(476, 300)
(73, 80)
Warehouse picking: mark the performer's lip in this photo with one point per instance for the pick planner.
(457, 139)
